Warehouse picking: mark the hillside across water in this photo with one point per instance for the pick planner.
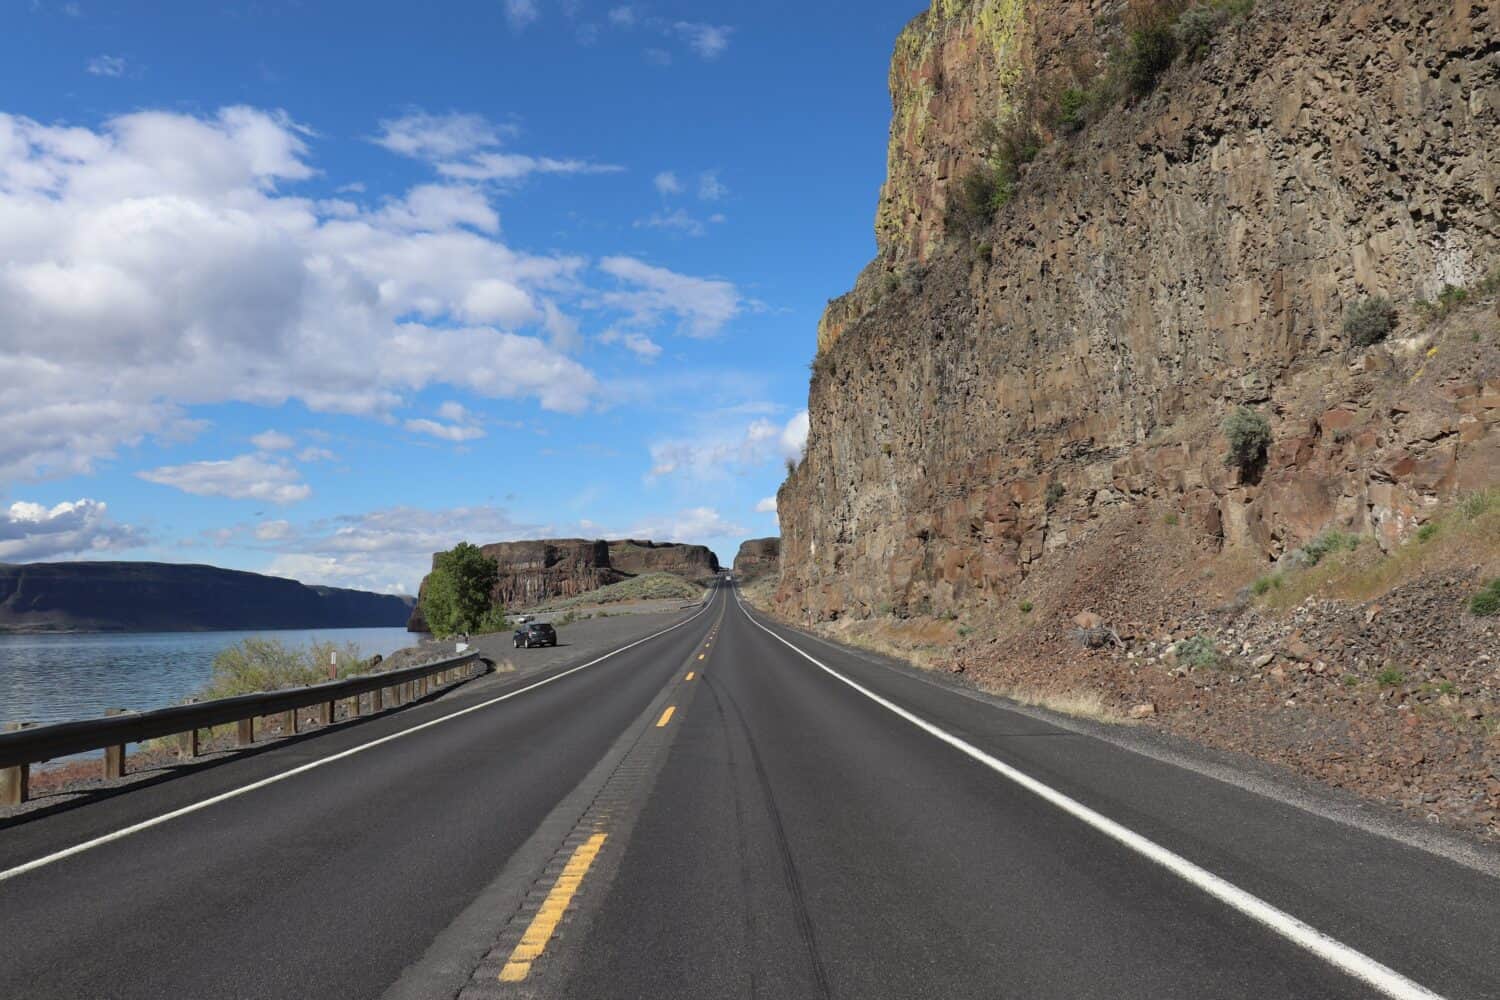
(164, 597)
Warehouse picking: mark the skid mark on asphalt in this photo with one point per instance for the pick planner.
(800, 913)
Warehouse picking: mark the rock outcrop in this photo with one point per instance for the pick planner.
(978, 403)
(758, 557)
(165, 597)
(535, 571)
(691, 562)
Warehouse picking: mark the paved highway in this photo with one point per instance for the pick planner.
(727, 808)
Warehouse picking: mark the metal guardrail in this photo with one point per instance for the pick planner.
(23, 747)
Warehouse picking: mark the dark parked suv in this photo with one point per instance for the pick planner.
(535, 634)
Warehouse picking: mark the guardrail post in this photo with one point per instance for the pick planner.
(15, 782)
(330, 709)
(114, 757)
(187, 743)
(289, 723)
(244, 731)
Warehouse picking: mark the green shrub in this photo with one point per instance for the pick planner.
(1266, 584)
(1326, 545)
(981, 193)
(459, 593)
(1390, 677)
(253, 665)
(1055, 493)
(1449, 299)
(1486, 603)
(1148, 55)
(1369, 321)
(1170, 520)
(1199, 652)
(1480, 503)
(1427, 532)
(1249, 436)
(1196, 29)
(1072, 107)
(1026, 607)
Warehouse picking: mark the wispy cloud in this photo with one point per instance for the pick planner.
(107, 66)
(709, 41)
(465, 147)
(521, 13)
(703, 305)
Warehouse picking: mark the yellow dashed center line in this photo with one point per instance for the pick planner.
(666, 716)
(544, 924)
(701, 655)
(689, 676)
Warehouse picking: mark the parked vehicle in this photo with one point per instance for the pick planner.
(535, 634)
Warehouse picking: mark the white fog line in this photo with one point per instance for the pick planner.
(1336, 953)
(120, 834)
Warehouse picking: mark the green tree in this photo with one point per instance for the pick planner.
(457, 597)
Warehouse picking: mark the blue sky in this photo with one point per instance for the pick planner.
(316, 288)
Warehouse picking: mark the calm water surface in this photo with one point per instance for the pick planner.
(59, 678)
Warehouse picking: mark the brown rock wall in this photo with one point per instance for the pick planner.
(1183, 256)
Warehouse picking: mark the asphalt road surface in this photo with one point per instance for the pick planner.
(724, 808)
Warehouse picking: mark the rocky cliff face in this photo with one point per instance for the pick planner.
(757, 557)
(161, 597)
(532, 572)
(979, 404)
(691, 562)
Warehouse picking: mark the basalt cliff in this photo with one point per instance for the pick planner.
(1112, 233)
(535, 571)
(979, 400)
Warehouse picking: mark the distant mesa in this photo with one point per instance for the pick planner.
(536, 571)
(758, 557)
(166, 597)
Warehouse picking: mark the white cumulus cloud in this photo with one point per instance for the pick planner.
(246, 477)
(160, 261)
(33, 531)
(766, 506)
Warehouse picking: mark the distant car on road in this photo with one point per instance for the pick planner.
(535, 634)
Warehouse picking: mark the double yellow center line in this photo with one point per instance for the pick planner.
(539, 932)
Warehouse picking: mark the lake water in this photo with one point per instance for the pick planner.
(59, 678)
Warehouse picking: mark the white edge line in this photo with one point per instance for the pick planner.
(124, 832)
(1336, 953)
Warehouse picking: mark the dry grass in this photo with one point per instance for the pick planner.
(1077, 703)
(647, 587)
(1466, 534)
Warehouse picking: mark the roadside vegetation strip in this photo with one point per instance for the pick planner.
(539, 932)
(1349, 960)
(233, 793)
